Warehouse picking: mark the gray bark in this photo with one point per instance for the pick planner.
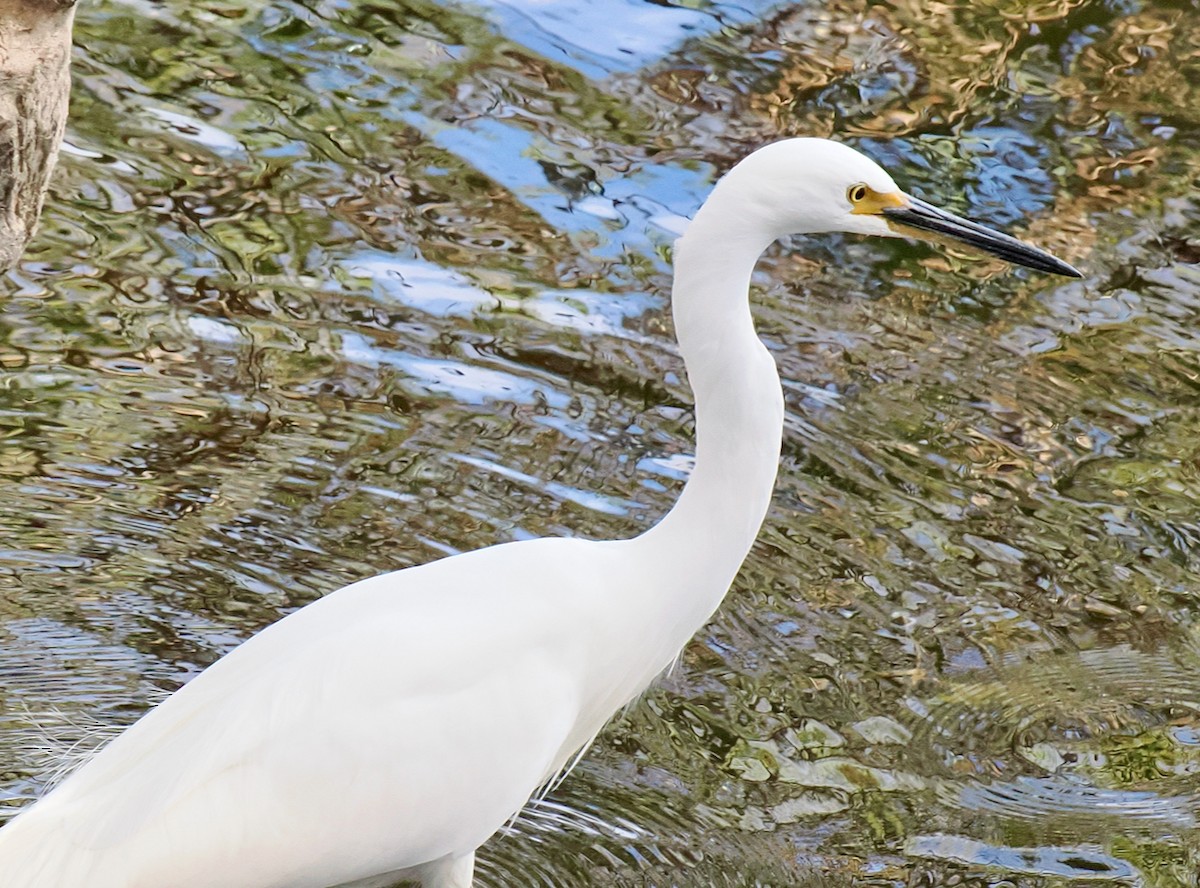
(35, 85)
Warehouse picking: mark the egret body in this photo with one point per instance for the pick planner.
(388, 729)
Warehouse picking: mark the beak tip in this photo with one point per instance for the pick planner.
(1070, 271)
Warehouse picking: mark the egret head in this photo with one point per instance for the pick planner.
(808, 186)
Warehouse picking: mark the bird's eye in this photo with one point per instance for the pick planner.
(857, 193)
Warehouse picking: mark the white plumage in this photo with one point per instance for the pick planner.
(391, 727)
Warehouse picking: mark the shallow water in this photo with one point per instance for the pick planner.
(330, 288)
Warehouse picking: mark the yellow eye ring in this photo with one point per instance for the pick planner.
(857, 193)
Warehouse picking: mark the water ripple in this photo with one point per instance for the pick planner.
(1080, 862)
(1038, 798)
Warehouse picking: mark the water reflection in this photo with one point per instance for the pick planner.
(328, 289)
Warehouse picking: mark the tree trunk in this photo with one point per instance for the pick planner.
(35, 85)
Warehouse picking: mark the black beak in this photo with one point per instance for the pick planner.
(924, 218)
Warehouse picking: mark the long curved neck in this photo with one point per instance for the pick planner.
(703, 540)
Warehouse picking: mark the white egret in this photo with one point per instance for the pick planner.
(388, 729)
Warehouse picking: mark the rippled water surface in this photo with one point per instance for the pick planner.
(330, 288)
